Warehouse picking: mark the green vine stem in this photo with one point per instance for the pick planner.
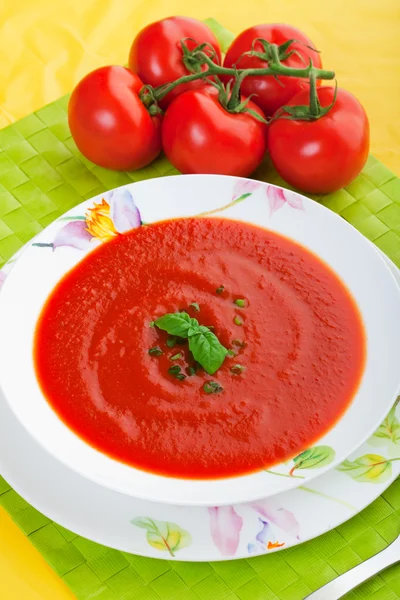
(275, 68)
(338, 500)
(284, 474)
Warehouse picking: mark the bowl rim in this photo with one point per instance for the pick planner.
(239, 494)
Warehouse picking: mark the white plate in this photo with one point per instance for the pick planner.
(197, 533)
(65, 242)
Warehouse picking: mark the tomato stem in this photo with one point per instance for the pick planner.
(275, 67)
(234, 100)
(201, 56)
(315, 107)
(274, 55)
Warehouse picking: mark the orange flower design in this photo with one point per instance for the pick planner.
(272, 545)
(99, 223)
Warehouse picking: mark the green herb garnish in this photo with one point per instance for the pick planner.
(207, 350)
(151, 324)
(171, 341)
(203, 343)
(239, 343)
(237, 369)
(176, 356)
(176, 323)
(231, 353)
(175, 371)
(195, 306)
(191, 371)
(212, 387)
(240, 302)
(220, 289)
(156, 351)
(238, 321)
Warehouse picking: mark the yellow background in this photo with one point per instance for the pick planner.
(46, 46)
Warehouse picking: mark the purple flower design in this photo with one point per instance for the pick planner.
(265, 540)
(225, 526)
(282, 518)
(244, 188)
(73, 234)
(277, 197)
(123, 211)
(102, 222)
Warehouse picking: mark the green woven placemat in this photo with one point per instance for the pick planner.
(42, 175)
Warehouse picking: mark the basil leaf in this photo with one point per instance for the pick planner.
(207, 350)
(175, 323)
(203, 343)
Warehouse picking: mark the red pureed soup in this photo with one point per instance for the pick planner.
(294, 335)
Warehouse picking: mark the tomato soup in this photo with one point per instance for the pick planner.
(295, 338)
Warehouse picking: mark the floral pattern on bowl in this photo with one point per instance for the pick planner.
(234, 528)
(102, 222)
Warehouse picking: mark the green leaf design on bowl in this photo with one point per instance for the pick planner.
(164, 535)
(388, 432)
(314, 458)
(369, 468)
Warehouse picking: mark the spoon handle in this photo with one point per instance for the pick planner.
(338, 587)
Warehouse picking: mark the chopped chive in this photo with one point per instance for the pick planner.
(152, 324)
(212, 387)
(195, 306)
(231, 353)
(176, 356)
(171, 341)
(191, 371)
(239, 343)
(240, 302)
(220, 289)
(175, 371)
(156, 351)
(238, 321)
(237, 369)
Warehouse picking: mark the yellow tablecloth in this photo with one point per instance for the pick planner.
(46, 46)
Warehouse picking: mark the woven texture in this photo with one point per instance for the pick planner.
(41, 176)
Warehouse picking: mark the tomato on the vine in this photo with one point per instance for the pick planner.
(200, 136)
(323, 155)
(156, 53)
(271, 92)
(110, 124)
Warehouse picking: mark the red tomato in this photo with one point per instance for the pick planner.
(271, 94)
(110, 124)
(200, 136)
(324, 155)
(156, 53)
